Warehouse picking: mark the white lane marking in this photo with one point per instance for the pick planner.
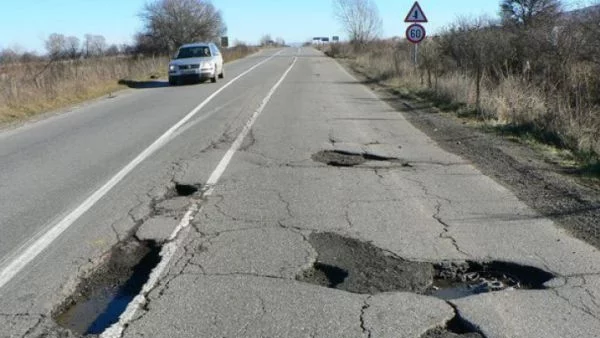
(170, 248)
(43, 239)
(213, 179)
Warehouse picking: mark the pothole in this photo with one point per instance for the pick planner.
(459, 280)
(360, 267)
(184, 190)
(103, 296)
(340, 158)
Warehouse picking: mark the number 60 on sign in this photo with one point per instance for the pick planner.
(415, 33)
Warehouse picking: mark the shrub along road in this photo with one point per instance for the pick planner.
(296, 203)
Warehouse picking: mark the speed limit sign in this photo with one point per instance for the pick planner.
(415, 33)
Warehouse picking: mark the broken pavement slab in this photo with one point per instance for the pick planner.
(386, 312)
(273, 252)
(176, 206)
(157, 229)
(247, 306)
(527, 314)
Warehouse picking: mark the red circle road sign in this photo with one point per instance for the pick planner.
(415, 33)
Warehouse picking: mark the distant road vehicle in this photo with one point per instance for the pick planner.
(196, 61)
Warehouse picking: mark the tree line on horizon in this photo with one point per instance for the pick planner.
(167, 25)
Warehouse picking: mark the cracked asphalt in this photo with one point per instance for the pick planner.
(236, 271)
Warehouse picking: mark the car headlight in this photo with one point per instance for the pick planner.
(207, 65)
(172, 67)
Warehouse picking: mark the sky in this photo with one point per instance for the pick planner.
(25, 24)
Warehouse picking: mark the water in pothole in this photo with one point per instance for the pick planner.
(104, 296)
(458, 280)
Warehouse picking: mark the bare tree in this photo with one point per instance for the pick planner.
(94, 45)
(98, 45)
(266, 40)
(476, 45)
(29, 57)
(126, 49)
(530, 12)
(8, 55)
(360, 19)
(56, 46)
(588, 29)
(429, 59)
(72, 47)
(171, 23)
(112, 50)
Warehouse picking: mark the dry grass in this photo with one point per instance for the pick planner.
(29, 89)
(238, 52)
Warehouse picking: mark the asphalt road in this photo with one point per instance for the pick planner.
(270, 211)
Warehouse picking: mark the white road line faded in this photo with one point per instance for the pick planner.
(43, 239)
(170, 248)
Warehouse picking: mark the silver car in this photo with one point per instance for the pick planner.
(196, 61)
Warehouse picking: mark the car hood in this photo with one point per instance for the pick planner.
(190, 61)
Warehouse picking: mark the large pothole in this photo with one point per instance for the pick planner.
(354, 266)
(341, 158)
(103, 296)
(360, 267)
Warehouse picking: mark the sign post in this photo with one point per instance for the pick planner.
(416, 33)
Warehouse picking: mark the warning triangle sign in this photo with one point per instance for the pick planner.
(416, 14)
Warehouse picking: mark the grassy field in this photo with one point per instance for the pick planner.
(29, 89)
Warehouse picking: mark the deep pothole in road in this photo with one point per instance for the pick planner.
(360, 267)
(184, 190)
(103, 296)
(341, 158)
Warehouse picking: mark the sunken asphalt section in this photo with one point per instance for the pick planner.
(299, 242)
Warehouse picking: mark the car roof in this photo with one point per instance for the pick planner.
(197, 44)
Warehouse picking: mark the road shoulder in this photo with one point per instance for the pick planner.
(542, 185)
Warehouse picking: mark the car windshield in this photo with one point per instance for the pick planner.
(193, 52)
